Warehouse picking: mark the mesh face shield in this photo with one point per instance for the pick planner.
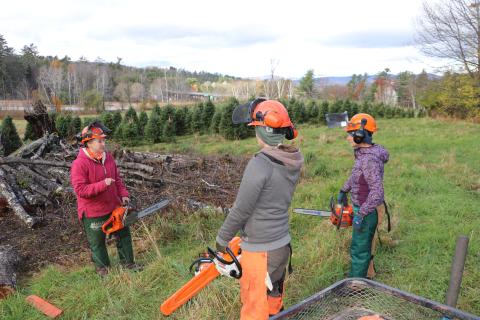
(243, 113)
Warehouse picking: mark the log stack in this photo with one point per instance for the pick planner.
(8, 277)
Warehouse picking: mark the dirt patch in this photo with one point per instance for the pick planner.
(59, 238)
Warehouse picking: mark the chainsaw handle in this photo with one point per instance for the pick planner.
(108, 225)
(115, 222)
(199, 261)
(235, 261)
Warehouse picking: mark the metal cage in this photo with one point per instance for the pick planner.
(351, 299)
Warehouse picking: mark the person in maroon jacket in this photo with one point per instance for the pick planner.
(99, 189)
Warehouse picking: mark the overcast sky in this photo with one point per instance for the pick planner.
(335, 38)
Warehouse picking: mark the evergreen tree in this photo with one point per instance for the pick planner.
(131, 115)
(30, 133)
(142, 122)
(9, 138)
(169, 131)
(154, 128)
(307, 84)
(312, 111)
(197, 119)
(229, 130)
(63, 124)
(215, 125)
(75, 127)
(116, 121)
(207, 115)
(188, 121)
(324, 109)
(180, 122)
(109, 121)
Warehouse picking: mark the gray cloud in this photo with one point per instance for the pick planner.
(196, 37)
(371, 39)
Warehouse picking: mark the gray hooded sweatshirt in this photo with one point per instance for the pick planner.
(260, 211)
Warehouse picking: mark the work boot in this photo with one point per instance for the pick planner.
(135, 267)
(101, 271)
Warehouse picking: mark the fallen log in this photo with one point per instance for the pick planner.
(16, 160)
(8, 278)
(135, 166)
(35, 200)
(47, 184)
(124, 165)
(13, 202)
(12, 181)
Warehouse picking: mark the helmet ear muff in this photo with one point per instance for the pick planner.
(359, 135)
(291, 133)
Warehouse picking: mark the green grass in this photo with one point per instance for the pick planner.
(432, 183)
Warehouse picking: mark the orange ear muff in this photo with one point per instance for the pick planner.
(272, 120)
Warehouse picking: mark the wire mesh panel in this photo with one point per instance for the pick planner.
(352, 299)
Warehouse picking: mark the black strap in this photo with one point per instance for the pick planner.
(273, 159)
(389, 227)
(290, 268)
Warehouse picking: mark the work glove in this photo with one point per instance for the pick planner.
(220, 248)
(342, 198)
(357, 222)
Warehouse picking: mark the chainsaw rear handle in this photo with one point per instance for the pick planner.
(115, 222)
(233, 274)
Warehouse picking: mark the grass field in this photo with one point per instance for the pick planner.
(432, 183)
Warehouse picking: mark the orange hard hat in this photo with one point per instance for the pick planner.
(355, 123)
(91, 132)
(270, 113)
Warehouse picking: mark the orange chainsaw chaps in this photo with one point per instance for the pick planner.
(197, 283)
(114, 223)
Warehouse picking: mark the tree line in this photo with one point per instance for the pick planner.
(165, 124)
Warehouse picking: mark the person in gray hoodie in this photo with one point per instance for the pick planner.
(365, 185)
(260, 211)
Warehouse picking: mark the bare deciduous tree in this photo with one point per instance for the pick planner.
(450, 29)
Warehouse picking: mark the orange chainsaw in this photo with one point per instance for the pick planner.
(207, 268)
(122, 217)
(340, 215)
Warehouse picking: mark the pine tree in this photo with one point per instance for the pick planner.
(128, 132)
(312, 111)
(336, 107)
(169, 131)
(347, 106)
(63, 124)
(207, 115)
(75, 127)
(214, 126)
(197, 119)
(142, 122)
(29, 133)
(229, 130)
(116, 121)
(157, 110)
(355, 108)
(324, 109)
(188, 121)
(109, 121)
(179, 121)
(131, 115)
(154, 128)
(9, 138)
